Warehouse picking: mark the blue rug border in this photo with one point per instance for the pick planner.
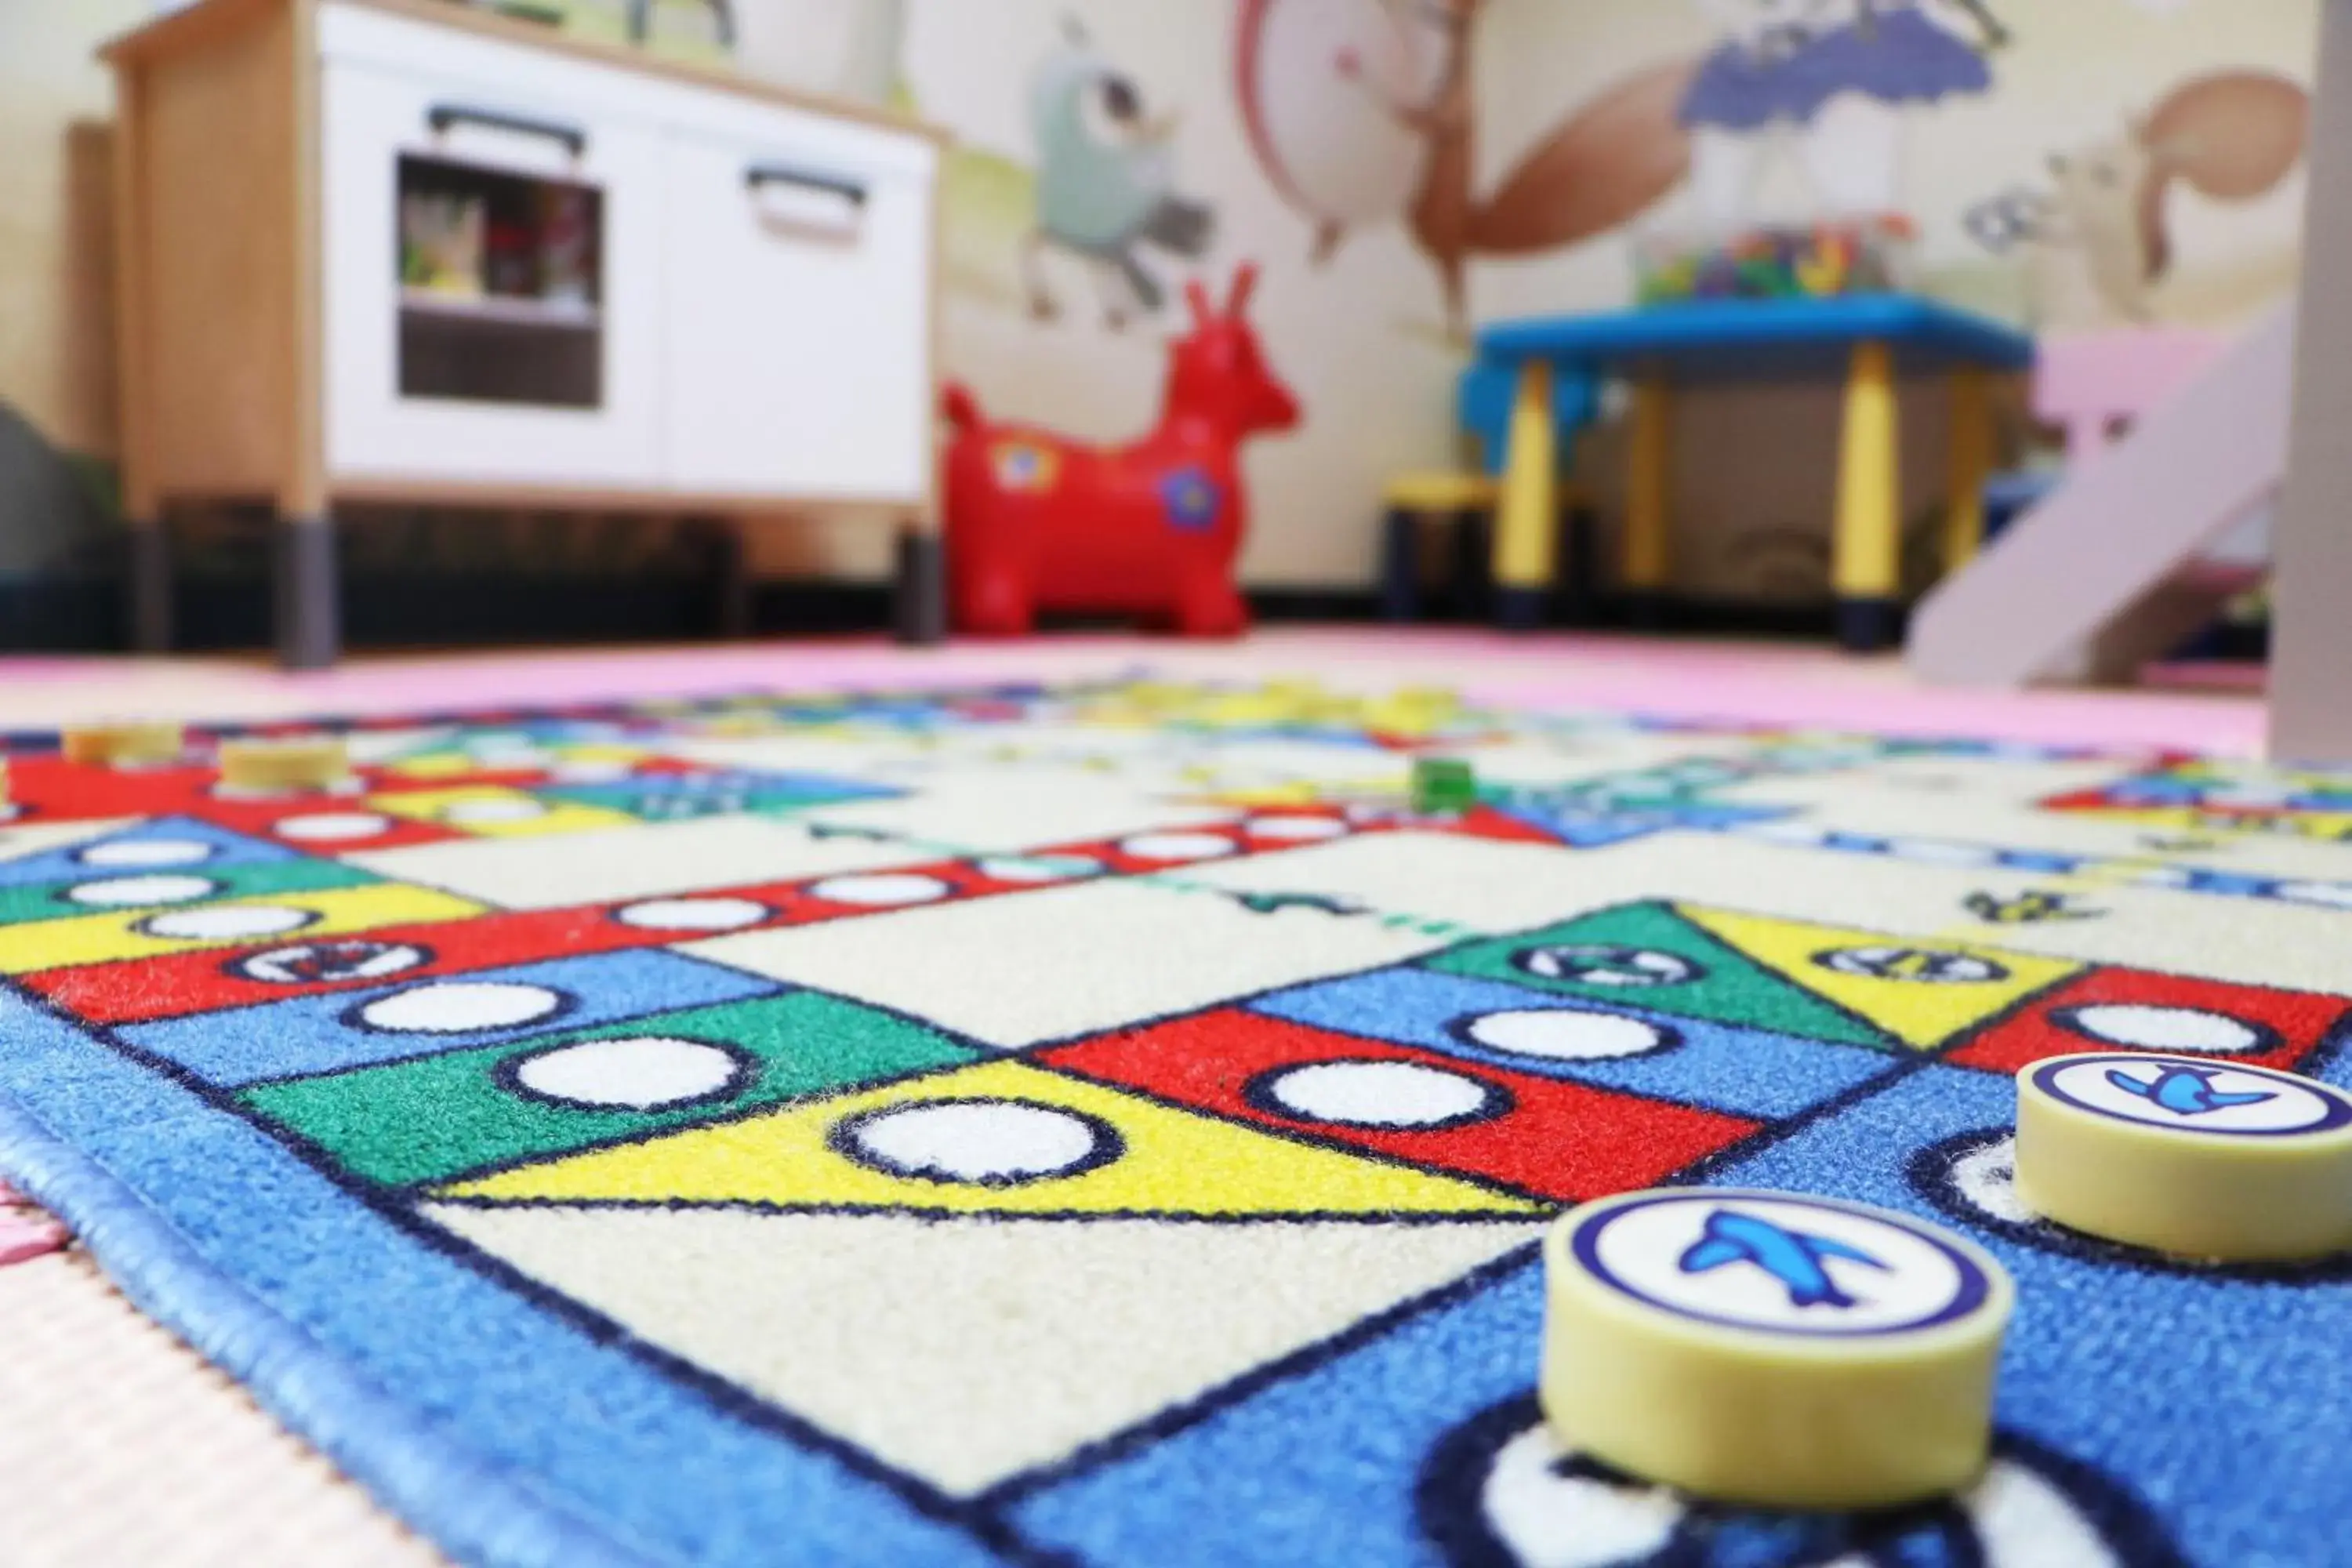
(307, 1387)
(476, 1509)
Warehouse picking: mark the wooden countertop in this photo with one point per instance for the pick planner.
(187, 28)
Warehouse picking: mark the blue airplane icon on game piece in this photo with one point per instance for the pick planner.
(1795, 1259)
(2185, 1091)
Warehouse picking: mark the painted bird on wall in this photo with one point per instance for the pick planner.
(1105, 181)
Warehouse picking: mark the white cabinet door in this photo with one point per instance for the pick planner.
(424, 384)
(799, 357)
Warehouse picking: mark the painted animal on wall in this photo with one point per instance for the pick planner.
(1106, 183)
(1038, 521)
(1364, 112)
(1831, 83)
(2098, 239)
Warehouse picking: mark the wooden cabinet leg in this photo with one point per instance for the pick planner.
(308, 598)
(922, 588)
(147, 584)
(731, 577)
(1868, 543)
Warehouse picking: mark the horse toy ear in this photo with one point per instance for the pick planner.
(1245, 281)
(1198, 298)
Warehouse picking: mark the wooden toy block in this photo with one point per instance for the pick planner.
(318, 762)
(115, 745)
(1770, 1349)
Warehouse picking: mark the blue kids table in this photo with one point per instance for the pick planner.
(1874, 338)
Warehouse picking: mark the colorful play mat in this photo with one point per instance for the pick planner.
(1108, 1125)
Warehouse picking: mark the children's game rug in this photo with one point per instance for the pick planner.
(1107, 1125)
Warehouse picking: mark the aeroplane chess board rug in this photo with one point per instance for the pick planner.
(1110, 1125)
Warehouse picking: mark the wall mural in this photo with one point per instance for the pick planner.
(2097, 237)
(1107, 182)
(1363, 112)
(1829, 82)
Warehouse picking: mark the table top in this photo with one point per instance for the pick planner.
(1764, 336)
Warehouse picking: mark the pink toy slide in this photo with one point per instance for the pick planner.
(2121, 560)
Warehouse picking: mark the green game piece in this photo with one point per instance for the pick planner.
(1442, 785)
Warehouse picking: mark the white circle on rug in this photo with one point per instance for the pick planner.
(645, 1072)
(692, 914)
(1301, 829)
(591, 773)
(881, 889)
(123, 892)
(1566, 1034)
(2250, 792)
(146, 854)
(1373, 1093)
(983, 1142)
(1985, 1180)
(332, 826)
(1038, 867)
(1549, 1515)
(1942, 852)
(227, 923)
(2337, 895)
(1800, 833)
(493, 809)
(461, 1007)
(1177, 846)
(2156, 1029)
(517, 756)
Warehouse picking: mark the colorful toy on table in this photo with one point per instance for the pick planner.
(1816, 261)
(1038, 521)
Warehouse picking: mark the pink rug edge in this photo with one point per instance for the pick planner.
(1744, 684)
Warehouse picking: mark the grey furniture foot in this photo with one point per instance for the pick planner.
(922, 596)
(731, 578)
(308, 597)
(147, 585)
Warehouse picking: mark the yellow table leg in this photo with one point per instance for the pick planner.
(1649, 488)
(1866, 573)
(1526, 520)
(1968, 465)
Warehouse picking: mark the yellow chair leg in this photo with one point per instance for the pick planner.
(1526, 524)
(1868, 546)
(1967, 467)
(1649, 491)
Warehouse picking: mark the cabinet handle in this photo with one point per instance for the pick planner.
(848, 190)
(442, 116)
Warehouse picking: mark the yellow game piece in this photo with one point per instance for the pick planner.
(114, 745)
(1770, 1349)
(309, 762)
(2194, 1158)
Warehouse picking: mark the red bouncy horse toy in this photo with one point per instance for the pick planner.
(1036, 520)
